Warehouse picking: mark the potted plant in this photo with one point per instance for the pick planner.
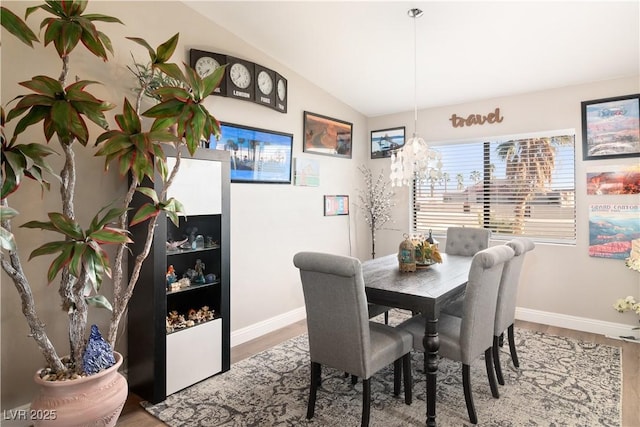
(630, 303)
(65, 110)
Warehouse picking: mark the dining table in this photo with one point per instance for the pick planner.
(424, 291)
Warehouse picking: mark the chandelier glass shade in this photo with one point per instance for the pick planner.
(414, 160)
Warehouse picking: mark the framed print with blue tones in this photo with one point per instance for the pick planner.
(611, 127)
(385, 141)
(257, 155)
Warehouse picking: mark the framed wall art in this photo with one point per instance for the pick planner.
(614, 180)
(612, 227)
(384, 141)
(306, 172)
(257, 155)
(611, 127)
(327, 136)
(336, 205)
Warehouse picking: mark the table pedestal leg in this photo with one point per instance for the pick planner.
(431, 344)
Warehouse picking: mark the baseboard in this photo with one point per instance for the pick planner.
(584, 324)
(259, 329)
(576, 323)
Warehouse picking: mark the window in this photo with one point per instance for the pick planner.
(518, 185)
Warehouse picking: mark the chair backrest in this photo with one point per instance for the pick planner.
(336, 305)
(480, 299)
(506, 308)
(466, 241)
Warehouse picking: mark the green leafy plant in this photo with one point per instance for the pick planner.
(80, 261)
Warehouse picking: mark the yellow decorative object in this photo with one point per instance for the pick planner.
(426, 251)
(406, 255)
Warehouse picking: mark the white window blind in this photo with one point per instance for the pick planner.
(522, 185)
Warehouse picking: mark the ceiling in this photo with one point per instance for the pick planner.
(362, 52)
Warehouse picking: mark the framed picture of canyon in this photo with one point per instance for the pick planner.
(611, 127)
(327, 136)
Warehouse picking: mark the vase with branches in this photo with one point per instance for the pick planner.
(69, 112)
(376, 202)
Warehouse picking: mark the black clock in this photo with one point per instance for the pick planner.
(239, 78)
(281, 89)
(265, 86)
(205, 63)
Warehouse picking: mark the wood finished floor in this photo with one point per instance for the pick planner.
(133, 415)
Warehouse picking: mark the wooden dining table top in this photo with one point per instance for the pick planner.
(426, 290)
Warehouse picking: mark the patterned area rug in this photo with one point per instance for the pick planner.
(560, 382)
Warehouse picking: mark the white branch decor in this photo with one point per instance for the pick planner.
(376, 202)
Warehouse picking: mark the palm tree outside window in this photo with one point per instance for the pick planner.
(517, 185)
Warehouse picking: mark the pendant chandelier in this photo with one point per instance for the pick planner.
(412, 161)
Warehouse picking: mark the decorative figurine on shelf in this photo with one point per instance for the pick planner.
(171, 276)
(209, 242)
(183, 283)
(199, 272)
(210, 278)
(192, 236)
(190, 274)
(198, 243)
(175, 245)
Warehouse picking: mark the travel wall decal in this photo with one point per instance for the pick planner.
(476, 119)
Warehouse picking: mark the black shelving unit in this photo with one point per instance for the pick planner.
(161, 362)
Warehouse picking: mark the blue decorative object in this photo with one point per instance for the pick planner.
(98, 355)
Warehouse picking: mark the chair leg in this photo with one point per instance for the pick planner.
(468, 397)
(501, 343)
(386, 317)
(366, 402)
(354, 379)
(512, 347)
(488, 360)
(397, 370)
(408, 381)
(316, 372)
(496, 359)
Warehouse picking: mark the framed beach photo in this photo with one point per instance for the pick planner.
(257, 155)
(327, 136)
(385, 141)
(611, 127)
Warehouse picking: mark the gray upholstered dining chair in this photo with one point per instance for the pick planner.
(376, 310)
(506, 307)
(464, 339)
(466, 241)
(340, 333)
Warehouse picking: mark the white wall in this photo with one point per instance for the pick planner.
(561, 284)
(271, 222)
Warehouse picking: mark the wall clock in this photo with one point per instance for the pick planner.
(242, 79)
(239, 78)
(205, 63)
(265, 86)
(281, 93)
